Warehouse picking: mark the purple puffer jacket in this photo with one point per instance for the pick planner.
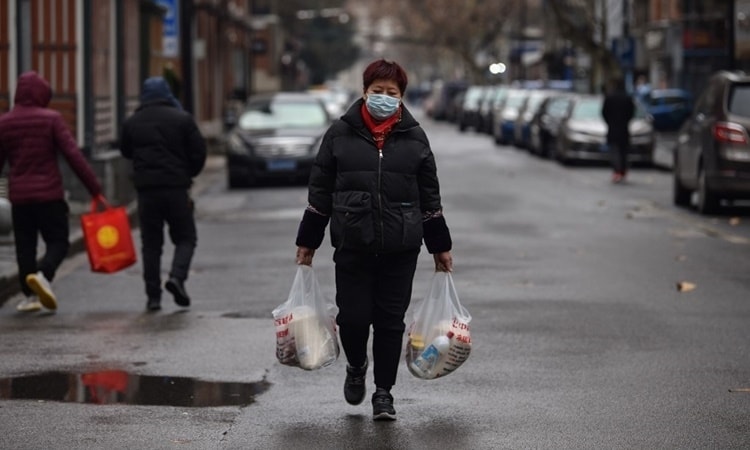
(31, 135)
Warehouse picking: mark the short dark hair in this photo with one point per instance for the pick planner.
(384, 70)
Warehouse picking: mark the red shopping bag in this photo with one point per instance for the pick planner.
(109, 242)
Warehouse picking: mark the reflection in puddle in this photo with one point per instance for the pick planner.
(119, 387)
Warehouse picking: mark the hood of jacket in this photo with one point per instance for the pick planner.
(32, 90)
(157, 89)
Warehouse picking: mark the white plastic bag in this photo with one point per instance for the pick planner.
(438, 316)
(306, 325)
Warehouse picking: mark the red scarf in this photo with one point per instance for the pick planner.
(380, 130)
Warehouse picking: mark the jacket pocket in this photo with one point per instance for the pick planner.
(409, 224)
(352, 220)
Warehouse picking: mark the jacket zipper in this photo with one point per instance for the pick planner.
(380, 168)
(380, 197)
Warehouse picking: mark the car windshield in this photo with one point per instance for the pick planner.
(587, 109)
(533, 102)
(514, 100)
(739, 100)
(283, 114)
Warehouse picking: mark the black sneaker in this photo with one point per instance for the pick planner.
(382, 405)
(354, 385)
(177, 288)
(153, 304)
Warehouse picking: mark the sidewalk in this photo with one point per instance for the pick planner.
(8, 268)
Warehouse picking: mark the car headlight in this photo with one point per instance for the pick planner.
(236, 146)
(579, 136)
(643, 137)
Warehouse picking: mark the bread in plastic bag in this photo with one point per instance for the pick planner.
(305, 325)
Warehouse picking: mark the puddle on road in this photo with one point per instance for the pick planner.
(120, 387)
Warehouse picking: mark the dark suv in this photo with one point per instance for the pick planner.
(712, 154)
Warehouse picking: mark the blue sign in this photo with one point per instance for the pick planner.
(624, 50)
(171, 34)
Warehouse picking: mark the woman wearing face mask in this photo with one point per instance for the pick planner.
(375, 179)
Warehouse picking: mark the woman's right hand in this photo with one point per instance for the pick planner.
(305, 256)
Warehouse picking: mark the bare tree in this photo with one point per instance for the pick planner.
(465, 29)
(584, 23)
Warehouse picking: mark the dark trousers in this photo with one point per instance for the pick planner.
(175, 208)
(374, 289)
(50, 219)
(619, 152)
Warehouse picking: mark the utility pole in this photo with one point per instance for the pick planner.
(626, 47)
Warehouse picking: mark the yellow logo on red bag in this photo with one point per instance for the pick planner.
(107, 236)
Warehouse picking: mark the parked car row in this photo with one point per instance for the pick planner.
(712, 150)
(561, 125)
(276, 136)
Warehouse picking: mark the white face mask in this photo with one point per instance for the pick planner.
(382, 106)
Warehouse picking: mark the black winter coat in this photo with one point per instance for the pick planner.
(376, 201)
(165, 145)
(618, 110)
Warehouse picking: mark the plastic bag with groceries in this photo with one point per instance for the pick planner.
(306, 325)
(439, 339)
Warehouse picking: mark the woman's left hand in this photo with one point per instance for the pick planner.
(443, 262)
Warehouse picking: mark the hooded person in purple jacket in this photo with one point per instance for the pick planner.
(32, 136)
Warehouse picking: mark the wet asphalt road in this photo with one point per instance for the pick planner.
(580, 337)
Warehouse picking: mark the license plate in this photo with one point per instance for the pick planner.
(279, 165)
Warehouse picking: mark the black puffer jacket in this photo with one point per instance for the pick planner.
(375, 202)
(164, 143)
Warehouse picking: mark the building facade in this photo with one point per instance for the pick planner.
(96, 54)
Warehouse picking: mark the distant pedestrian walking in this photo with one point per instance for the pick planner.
(167, 151)
(618, 110)
(31, 138)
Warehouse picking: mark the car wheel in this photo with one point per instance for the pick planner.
(559, 154)
(234, 182)
(708, 202)
(498, 139)
(680, 194)
(544, 146)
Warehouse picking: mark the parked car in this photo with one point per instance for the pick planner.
(506, 114)
(522, 127)
(335, 99)
(468, 115)
(441, 103)
(485, 108)
(668, 107)
(712, 153)
(276, 137)
(583, 133)
(546, 123)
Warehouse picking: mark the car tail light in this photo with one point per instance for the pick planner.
(729, 133)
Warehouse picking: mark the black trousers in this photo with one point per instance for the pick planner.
(50, 219)
(619, 152)
(175, 208)
(374, 289)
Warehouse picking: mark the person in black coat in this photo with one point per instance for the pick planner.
(375, 180)
(618, 110)
(167, 151)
